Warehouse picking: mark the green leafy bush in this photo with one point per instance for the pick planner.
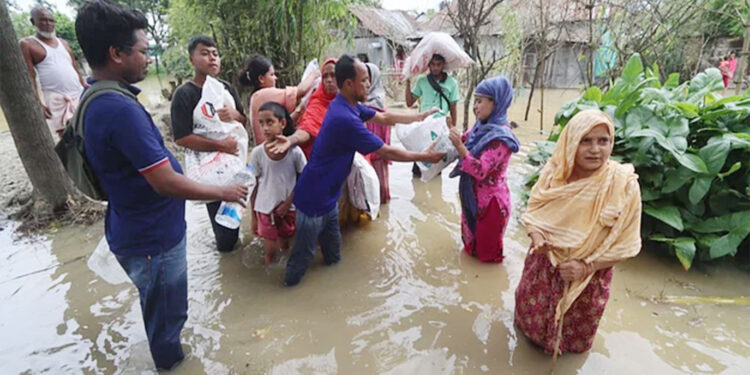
(691, 149)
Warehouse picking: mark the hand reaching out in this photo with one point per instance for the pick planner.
(432, 156)
(235, 193)
(429, 113)
(282, 145)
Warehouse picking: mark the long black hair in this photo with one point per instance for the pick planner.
(280, 113)
(255, 67)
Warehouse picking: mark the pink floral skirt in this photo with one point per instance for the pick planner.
(538, 293)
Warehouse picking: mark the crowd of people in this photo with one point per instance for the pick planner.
(583, 215)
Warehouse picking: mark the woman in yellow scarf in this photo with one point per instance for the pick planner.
(583, 217)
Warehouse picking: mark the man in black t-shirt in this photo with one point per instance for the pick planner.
(206, 61)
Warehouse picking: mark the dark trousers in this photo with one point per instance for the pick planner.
(225, 238)
(161, 281)
(312, 230)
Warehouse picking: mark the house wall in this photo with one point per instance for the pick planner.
(377, 49)
(562, 70)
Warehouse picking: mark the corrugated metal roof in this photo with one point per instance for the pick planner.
(565, 17)
(396, 25)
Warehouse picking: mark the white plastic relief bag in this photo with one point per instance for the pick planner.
(104, 264)
(363, 186)
(312, 66)
(435, 43)
(418, 136)
(214, 167)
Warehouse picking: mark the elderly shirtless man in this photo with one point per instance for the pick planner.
(52, 59)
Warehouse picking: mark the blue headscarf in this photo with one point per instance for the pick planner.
(494, 128)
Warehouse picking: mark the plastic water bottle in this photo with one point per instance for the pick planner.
(230, 214)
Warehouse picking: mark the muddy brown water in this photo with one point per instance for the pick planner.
(403, 300)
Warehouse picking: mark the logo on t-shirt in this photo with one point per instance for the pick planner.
(208, 110)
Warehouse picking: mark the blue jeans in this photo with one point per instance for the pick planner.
(162, 286)
(310, 231)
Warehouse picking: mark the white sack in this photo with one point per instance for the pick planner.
(435, 42)
(363, 186)
(216, 168)
(418, 136)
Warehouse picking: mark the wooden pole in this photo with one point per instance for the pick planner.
(739, 74)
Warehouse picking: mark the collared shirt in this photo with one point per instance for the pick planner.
(122, 144)
(342, 133)
(431, 98)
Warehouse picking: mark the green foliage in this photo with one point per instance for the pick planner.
(21, 24)
(289, 32)
(670, 33)
(691, 150)
(722, 17)
(64, 27)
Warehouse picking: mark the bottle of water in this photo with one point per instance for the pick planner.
(230, 214)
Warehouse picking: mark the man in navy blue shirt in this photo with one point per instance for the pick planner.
(145, 220)
(318, 188)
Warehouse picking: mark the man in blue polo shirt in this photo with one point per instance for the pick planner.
(318, 188)
(145, 220)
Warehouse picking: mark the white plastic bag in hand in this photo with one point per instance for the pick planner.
(215, 168)
(104, 264)
(363, 186)
(435, 43)
(312, 66)
(419, 136)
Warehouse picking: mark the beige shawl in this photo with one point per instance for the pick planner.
(592, 219)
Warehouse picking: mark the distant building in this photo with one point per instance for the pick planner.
(380, 32)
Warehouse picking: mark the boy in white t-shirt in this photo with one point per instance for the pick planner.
(277, 175)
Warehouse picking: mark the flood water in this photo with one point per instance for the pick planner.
(404, 300)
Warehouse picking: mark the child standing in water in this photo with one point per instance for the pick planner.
(277, 175)
(484, 153)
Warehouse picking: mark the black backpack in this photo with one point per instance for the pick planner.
(70, 149)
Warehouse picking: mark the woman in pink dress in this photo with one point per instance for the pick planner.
(376, 101)
(728, 66)
(583, 217)
(484, 153)
(260, 75)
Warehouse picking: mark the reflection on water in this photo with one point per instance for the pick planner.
(403, 300)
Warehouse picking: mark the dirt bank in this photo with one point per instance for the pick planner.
(15, 187)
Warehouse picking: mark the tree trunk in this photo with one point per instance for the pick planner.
(590, 64)
(533, 86)
(541, 94)
(27, 125)
(543, 71)
(739, 74)
(467, 99)
(467, 103)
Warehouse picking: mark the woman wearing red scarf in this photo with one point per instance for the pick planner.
(309, 126)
